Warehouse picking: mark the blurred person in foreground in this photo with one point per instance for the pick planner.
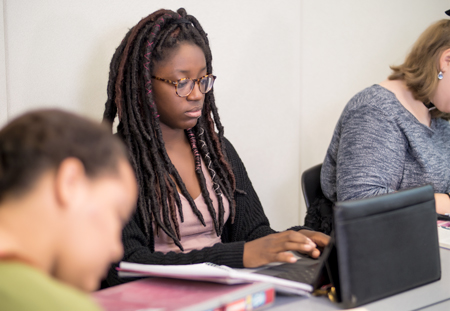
(66, 190)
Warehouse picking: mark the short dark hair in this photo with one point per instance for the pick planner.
(40, 140)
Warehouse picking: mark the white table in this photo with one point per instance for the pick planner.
(434, 296)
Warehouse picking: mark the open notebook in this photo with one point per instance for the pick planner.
(211, 273)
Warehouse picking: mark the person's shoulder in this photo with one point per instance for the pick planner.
(229, 148)
(374, 99)
(232, 156)
(26, 288)
(228, 143)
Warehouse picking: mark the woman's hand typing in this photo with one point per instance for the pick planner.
(275, 247)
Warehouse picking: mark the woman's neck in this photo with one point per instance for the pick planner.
(173, 138)
(406, 98)
(15, 242)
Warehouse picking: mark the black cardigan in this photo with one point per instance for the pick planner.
(250, 223)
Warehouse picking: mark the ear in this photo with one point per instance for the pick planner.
(444, 61)
(69, 182)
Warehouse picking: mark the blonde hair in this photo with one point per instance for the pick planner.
(421, 66)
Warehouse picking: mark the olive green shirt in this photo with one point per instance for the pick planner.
(23, 287)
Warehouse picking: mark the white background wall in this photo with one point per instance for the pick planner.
(285, 69)
(3, 96)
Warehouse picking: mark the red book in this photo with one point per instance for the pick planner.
(184, 295)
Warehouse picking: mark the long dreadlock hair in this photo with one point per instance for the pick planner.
(130, 96)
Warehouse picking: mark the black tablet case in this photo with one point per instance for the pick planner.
(384, 245)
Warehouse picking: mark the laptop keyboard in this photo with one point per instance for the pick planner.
(298, 271)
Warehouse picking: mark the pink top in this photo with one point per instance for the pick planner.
(193, 234)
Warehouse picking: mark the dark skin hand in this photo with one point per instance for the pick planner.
(275, 247)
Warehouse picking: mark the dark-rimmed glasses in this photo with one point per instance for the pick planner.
(184, 87)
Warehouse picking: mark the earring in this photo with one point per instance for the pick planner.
(440, 75)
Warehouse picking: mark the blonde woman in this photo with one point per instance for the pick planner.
(396, 135)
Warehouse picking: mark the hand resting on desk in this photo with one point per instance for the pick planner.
(442, 203)
(275, 247)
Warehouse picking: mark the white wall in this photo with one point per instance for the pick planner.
(285, 69)
(3, 95)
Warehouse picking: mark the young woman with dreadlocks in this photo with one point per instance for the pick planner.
(196, 202)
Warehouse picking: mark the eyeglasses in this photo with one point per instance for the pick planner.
(184, 87)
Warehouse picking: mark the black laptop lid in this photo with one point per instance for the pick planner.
(386, 245)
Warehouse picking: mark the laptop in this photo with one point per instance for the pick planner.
(306, 270)
(379, 247)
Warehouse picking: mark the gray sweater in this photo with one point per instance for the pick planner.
(379, 147)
